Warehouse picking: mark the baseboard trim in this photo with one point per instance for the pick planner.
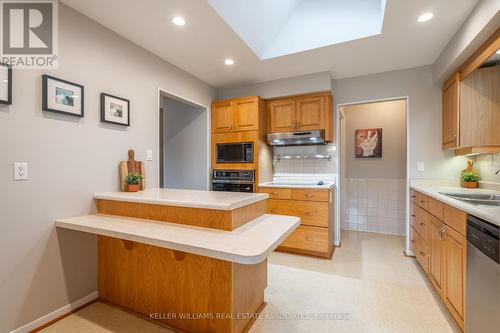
(57, 314)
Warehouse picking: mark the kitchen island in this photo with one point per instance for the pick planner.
(193, 260)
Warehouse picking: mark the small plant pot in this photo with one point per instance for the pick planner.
(470, 184)
(133, 187)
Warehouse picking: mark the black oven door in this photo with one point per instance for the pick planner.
(232, 186)
(239, 152)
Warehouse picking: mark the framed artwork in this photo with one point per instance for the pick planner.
(115, 110)
(6, 84)
(368, 143)
(62, 96)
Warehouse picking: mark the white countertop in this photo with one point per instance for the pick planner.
(186, 198)
(488, 213)
(249, 244)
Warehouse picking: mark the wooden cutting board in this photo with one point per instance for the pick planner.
(129, 166)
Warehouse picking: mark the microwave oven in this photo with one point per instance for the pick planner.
(235, 152)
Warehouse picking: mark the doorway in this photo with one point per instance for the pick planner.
(373, 168)
(183, 143)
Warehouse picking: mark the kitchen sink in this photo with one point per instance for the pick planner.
(475, 198)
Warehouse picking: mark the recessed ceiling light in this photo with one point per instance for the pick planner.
(177, 20)
(425, 17)
(229, 62)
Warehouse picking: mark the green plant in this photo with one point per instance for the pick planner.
(133, 178)
(470, 177)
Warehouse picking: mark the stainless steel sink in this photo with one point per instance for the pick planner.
(475, 198)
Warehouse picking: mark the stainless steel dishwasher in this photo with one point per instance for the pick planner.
(482, 313)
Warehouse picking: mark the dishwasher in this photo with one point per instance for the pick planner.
(482, 313)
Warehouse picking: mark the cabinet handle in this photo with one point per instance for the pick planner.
(309, 214)
(273, 193)
(309, 238)
(413, 241)
(422, 224)
(274, 210)
(413, 196)
(422, 201)
(309, 195)
(422, 253)
(441, 233)
(413, 215)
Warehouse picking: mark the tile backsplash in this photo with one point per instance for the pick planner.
(374, 205)
(311, 166)
(487, 165)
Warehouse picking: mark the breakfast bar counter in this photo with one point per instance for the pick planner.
(177, 255)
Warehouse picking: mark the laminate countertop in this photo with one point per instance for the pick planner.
(249, 244)
(186, 198)
(488, 213)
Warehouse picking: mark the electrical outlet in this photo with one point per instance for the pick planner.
(21, 171)
(149, 154)
(420, 166)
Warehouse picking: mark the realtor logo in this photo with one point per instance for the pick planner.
(29, 33)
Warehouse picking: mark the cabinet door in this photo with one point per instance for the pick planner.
(311, 113)
(222, 117)
(246, 114)
(451, 119)
(282, 116)
(455, 254)
(436, 245)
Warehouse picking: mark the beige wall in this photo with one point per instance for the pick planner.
(391, 117)
(69, 159)
(424, 113)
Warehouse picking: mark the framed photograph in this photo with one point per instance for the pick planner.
(62, 96)
(6, 84)
(115, 110)
(368, 143)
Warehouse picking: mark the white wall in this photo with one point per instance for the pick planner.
(185, 145)
(69, 159)
(424, 115)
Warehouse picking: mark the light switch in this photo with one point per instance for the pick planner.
(149, 154)
(20, 171)
(420, 166)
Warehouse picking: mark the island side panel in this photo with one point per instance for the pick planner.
(167, 284)
(200, 217)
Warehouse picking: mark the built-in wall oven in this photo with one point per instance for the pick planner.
(234, 152)
(233, 180)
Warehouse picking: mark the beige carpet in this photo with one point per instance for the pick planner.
(369, 286)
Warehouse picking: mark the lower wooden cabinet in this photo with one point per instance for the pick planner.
(315, 208)
(443, 252)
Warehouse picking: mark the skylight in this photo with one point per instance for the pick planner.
(273, 28)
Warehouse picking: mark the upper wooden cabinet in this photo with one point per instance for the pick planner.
(451, 114)
(301, 113)
(239, 114)
(471, 103)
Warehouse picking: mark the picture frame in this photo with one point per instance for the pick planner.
(115, 110)
(368, 143)
(63, 97)
(6, 84)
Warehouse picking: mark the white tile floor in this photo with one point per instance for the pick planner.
(368, 279)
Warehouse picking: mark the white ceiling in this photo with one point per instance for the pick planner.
(284, 27)
(201, 46)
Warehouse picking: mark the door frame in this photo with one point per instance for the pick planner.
(340, 151)
(207, 109)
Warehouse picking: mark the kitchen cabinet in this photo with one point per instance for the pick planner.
(438, 241)
(314, 236)
(239, 114)
(301, 113)
(451, 116)
(471, 103)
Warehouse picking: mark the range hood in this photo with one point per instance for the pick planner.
(305, 138)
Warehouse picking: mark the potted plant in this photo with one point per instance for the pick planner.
(470, 180)
(133, 181)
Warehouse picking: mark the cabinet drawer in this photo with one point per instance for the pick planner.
(420, 199)
(455, 218)
(436, 209)
(311, 195)
(310, 213)
(419, 247)
(277, 193)
(420, 221)
(309, 239)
